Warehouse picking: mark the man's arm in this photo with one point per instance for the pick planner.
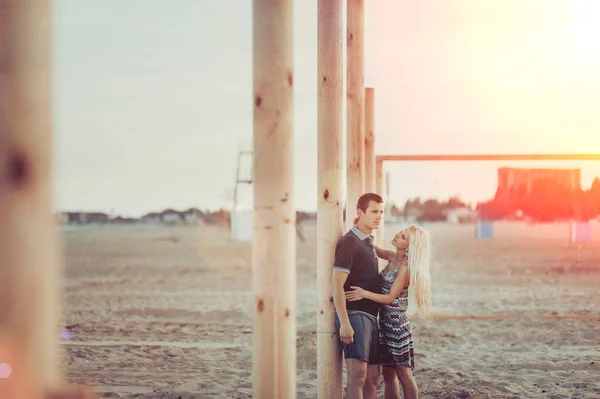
(339, 301)
(342, 265)
(386, 254)
(339, 298)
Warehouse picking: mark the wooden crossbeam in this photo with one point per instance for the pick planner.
(490, 157)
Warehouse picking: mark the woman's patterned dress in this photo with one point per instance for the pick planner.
(395, 333)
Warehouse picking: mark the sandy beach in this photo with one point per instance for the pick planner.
(165, 312)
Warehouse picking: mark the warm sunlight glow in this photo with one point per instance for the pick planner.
(500, 77)
(526, 74)
(583, 29)
(581, 33)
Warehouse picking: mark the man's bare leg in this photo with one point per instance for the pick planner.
(391, 388)
(357, 376)
(370, 387)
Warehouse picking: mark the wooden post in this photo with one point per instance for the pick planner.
(29, 260)
(379, 178)
(274, 240)
(330, 82)
(379, 237)
(370, 140)
(355, 107)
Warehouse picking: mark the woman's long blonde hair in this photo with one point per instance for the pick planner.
(419, 257)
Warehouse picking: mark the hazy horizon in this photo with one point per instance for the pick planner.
(153, 102)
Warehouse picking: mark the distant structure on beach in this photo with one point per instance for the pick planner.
(83, 217)
(517, 183)
(190, 216)
(171, 216)
(542, 195)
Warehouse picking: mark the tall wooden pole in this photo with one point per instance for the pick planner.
(330, 190)
(370, 140)
(274, 241)
(29, 260)
(379, 178)
(379, 237)
(355, 107)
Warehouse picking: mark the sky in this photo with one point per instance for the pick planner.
(153, 99)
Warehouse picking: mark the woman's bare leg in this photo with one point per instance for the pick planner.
(409, 386)
(391, 385)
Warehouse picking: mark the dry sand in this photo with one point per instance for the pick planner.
(165, 312)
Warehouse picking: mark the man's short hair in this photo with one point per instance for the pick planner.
(365, 199)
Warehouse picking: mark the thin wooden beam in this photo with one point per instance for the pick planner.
(490, 157)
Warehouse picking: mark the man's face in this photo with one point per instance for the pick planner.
(372, 217)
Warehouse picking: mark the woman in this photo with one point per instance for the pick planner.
(408, 266)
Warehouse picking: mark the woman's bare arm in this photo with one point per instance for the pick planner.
(398, 285)
(383, 253)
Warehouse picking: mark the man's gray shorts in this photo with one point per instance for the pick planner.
(366, 337)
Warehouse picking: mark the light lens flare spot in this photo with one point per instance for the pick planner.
(5, 371)
(66, 335)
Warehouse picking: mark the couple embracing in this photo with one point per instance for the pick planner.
(370, 318)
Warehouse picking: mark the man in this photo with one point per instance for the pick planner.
(356, 322)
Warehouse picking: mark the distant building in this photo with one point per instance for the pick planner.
(171, 216)
(461, 215)
(152, 218)
(122, 220)
(95, 217)
(515, 184)
(411, 214)
(84, 217)
(192, 216)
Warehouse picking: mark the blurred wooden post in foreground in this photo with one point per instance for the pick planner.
(29, 256)
(274, 238)
(330, 190)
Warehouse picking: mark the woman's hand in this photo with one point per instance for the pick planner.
(356, 294)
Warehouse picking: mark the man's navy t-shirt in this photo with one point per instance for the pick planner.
(355, 255)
